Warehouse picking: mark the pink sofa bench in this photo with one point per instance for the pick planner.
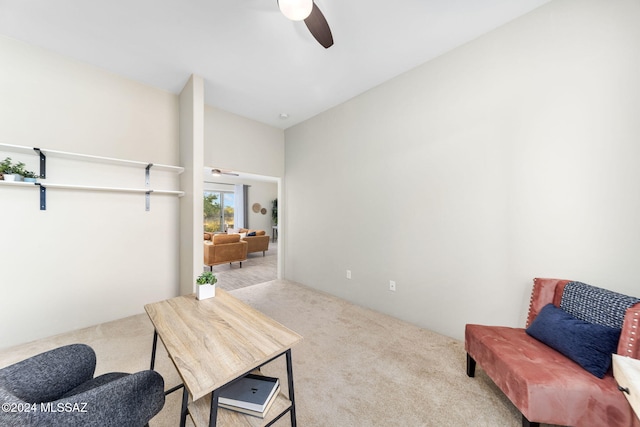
(545, 385)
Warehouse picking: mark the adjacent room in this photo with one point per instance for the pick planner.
(389, 193)
(239, 203)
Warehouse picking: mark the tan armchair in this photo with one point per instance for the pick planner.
(223, 248)
(257, 243)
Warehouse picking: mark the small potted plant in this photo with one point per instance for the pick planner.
(206, 285)
(19, 171)
(30, 176)
(6, 170)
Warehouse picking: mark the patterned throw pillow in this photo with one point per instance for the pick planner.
(596, 305)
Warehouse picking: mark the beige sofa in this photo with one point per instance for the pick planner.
(257, 243)
(224, 248)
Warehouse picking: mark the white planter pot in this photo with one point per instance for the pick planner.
(205, 291)
(10, 177)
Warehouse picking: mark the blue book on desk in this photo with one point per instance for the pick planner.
(252, 392)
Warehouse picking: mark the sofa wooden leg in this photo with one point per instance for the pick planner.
(240, 264)
(527, 423)
(264, 253)
(471, 366)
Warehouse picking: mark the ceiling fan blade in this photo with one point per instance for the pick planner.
(319, 28)
(218, 172)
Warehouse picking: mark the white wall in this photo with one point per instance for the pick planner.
(90, 257)
(236, 143)
(262, 193)
(512, 157)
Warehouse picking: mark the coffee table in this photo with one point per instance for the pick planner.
(214, 342)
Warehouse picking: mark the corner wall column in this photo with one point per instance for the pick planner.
(191, 182)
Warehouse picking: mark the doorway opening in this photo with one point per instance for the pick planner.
(242, 204)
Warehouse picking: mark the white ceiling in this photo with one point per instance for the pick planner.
(255, 62)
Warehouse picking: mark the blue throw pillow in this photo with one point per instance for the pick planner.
(587, 344)
(253, 233)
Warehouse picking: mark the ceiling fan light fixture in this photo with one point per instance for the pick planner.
(296, 10)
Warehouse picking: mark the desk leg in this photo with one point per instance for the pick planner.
(291, 394)
(153, 350)
(183, 410)
(213, 413)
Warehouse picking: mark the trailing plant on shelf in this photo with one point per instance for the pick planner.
(19, 169)
(6, 167)
(30, 176)
(11, 171)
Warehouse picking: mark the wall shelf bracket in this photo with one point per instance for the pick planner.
(43, 162)
(146, 175)
(43, 196)
(147, 197)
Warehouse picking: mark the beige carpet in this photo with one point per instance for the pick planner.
(355, 367)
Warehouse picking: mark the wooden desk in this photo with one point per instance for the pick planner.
(627, 373)
(214, 342)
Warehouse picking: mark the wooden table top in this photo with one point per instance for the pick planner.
(214, 341)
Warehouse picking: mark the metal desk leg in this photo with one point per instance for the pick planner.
(183, 410)
(153, 350)
(213, 413)
(153, 362)
(291, 394)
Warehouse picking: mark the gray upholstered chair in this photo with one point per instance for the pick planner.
(57, 388)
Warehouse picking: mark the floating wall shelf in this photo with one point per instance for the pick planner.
(43, 153)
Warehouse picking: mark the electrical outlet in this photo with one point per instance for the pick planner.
(348, 274)
(392, 285)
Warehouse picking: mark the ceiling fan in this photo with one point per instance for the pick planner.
(218, 172)
(307, 10)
